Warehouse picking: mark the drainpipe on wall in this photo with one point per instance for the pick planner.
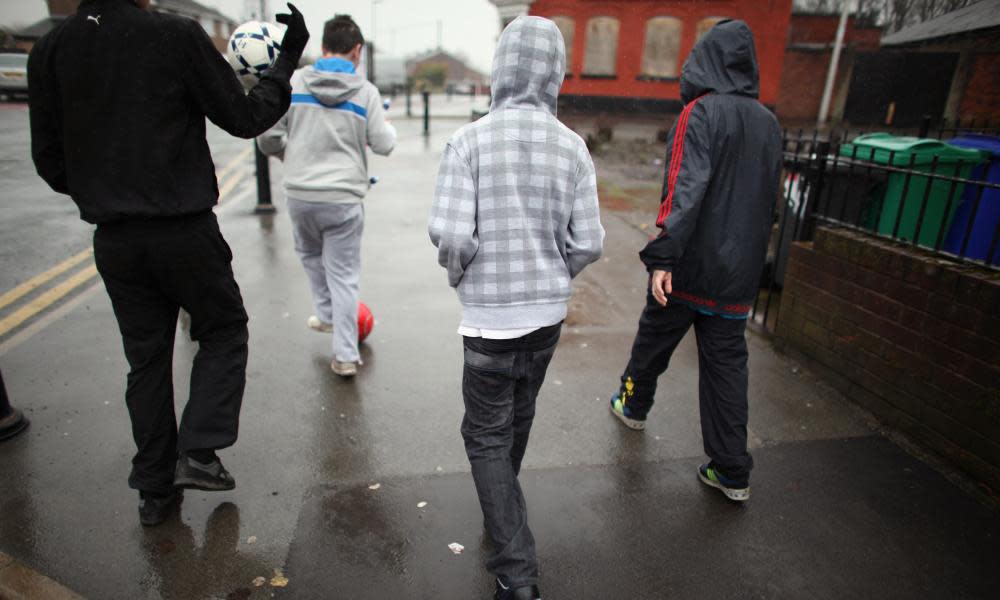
(831, 74)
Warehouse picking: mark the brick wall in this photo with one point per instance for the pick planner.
(822, 29)
(807, 58)
(979, 99)
(802, 82)
(914, 339)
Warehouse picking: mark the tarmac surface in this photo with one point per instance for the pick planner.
(837, 509)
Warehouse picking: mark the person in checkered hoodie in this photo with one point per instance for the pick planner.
(515, 218)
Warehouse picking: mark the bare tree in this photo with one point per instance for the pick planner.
(893, 14)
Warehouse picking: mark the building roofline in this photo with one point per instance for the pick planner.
(978, 17)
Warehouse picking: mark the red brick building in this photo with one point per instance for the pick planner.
(628, 54)
(807, 58)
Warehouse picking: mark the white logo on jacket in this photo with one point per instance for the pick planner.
(96, 19)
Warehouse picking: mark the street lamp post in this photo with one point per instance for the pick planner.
(261, 163)
(371, 40)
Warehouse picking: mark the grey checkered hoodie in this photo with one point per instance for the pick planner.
(515, 214)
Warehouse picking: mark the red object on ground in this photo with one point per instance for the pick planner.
(366, 321)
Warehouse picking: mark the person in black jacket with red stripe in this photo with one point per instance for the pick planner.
(719, 192)
(118, 98)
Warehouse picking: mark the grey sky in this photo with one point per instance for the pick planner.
(405, 27)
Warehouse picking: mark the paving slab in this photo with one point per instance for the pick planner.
(817, 526)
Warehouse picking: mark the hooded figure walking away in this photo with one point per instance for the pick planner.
(515, 218)
(335, 113)
(719, 191)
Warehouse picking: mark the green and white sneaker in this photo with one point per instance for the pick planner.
(621, 410)
(735, 491)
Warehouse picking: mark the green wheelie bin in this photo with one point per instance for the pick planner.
(902, 200)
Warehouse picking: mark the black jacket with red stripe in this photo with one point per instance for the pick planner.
(721, 184)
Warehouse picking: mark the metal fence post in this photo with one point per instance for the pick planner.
(427, 112)
(264, 206)
(925, 126)
(807, 220)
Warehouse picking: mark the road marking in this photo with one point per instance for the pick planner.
(50, 297)
(231, 165)
(40, 279)
(48, 318)
(228, 187)
(45, 300)
(234, 199)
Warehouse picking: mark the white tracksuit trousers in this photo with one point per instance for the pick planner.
(328, 242)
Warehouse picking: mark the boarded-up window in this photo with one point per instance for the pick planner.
(602, 47)
(567, 26)
(705, 24)
(663, 45)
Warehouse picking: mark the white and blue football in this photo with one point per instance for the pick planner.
(253, 48)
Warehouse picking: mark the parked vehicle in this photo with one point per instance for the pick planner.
(13, 74)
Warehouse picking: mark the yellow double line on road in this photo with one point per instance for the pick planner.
(226, 187)
(49, 298)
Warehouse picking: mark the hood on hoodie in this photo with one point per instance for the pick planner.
(724, 61)
(529, 65)
(331, 87)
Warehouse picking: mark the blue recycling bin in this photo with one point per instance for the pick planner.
(988, 214)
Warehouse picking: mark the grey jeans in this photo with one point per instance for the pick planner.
(500, 382)
(328, 242)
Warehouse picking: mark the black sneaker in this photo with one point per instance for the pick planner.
(526, 592)
(154, 509)
(12, 424)
(209, 477)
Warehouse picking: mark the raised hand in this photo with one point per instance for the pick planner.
(296, 34)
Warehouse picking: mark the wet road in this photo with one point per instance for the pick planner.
(41, 228)
(837, 512)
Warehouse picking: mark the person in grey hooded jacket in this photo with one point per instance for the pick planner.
(719, 191)
(334, 114)
(515, 217)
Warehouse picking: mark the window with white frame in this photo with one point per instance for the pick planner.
(567, 26)
(601, 54)
(661, 52)
(705, 24)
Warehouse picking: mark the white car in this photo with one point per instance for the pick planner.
(13, 74)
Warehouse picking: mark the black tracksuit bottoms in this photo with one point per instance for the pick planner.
(151, 268)
(722, 377)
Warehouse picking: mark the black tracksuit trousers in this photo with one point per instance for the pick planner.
(151, 268)
(722, 377)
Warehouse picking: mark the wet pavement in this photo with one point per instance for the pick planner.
(838, 511)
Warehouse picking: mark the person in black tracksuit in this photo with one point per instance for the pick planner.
(719, 192)
(118, 98)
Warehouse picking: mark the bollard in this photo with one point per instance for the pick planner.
(264, 206)
(409, 103)
(16, 421)
(427, 112)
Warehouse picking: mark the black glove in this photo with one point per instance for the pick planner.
(296, 34)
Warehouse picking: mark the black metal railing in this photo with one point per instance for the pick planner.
(943, 204)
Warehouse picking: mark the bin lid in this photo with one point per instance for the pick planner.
(878, 147)
(978, 141)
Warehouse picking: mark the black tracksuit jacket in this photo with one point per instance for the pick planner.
(118, 98)
(721, 183)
